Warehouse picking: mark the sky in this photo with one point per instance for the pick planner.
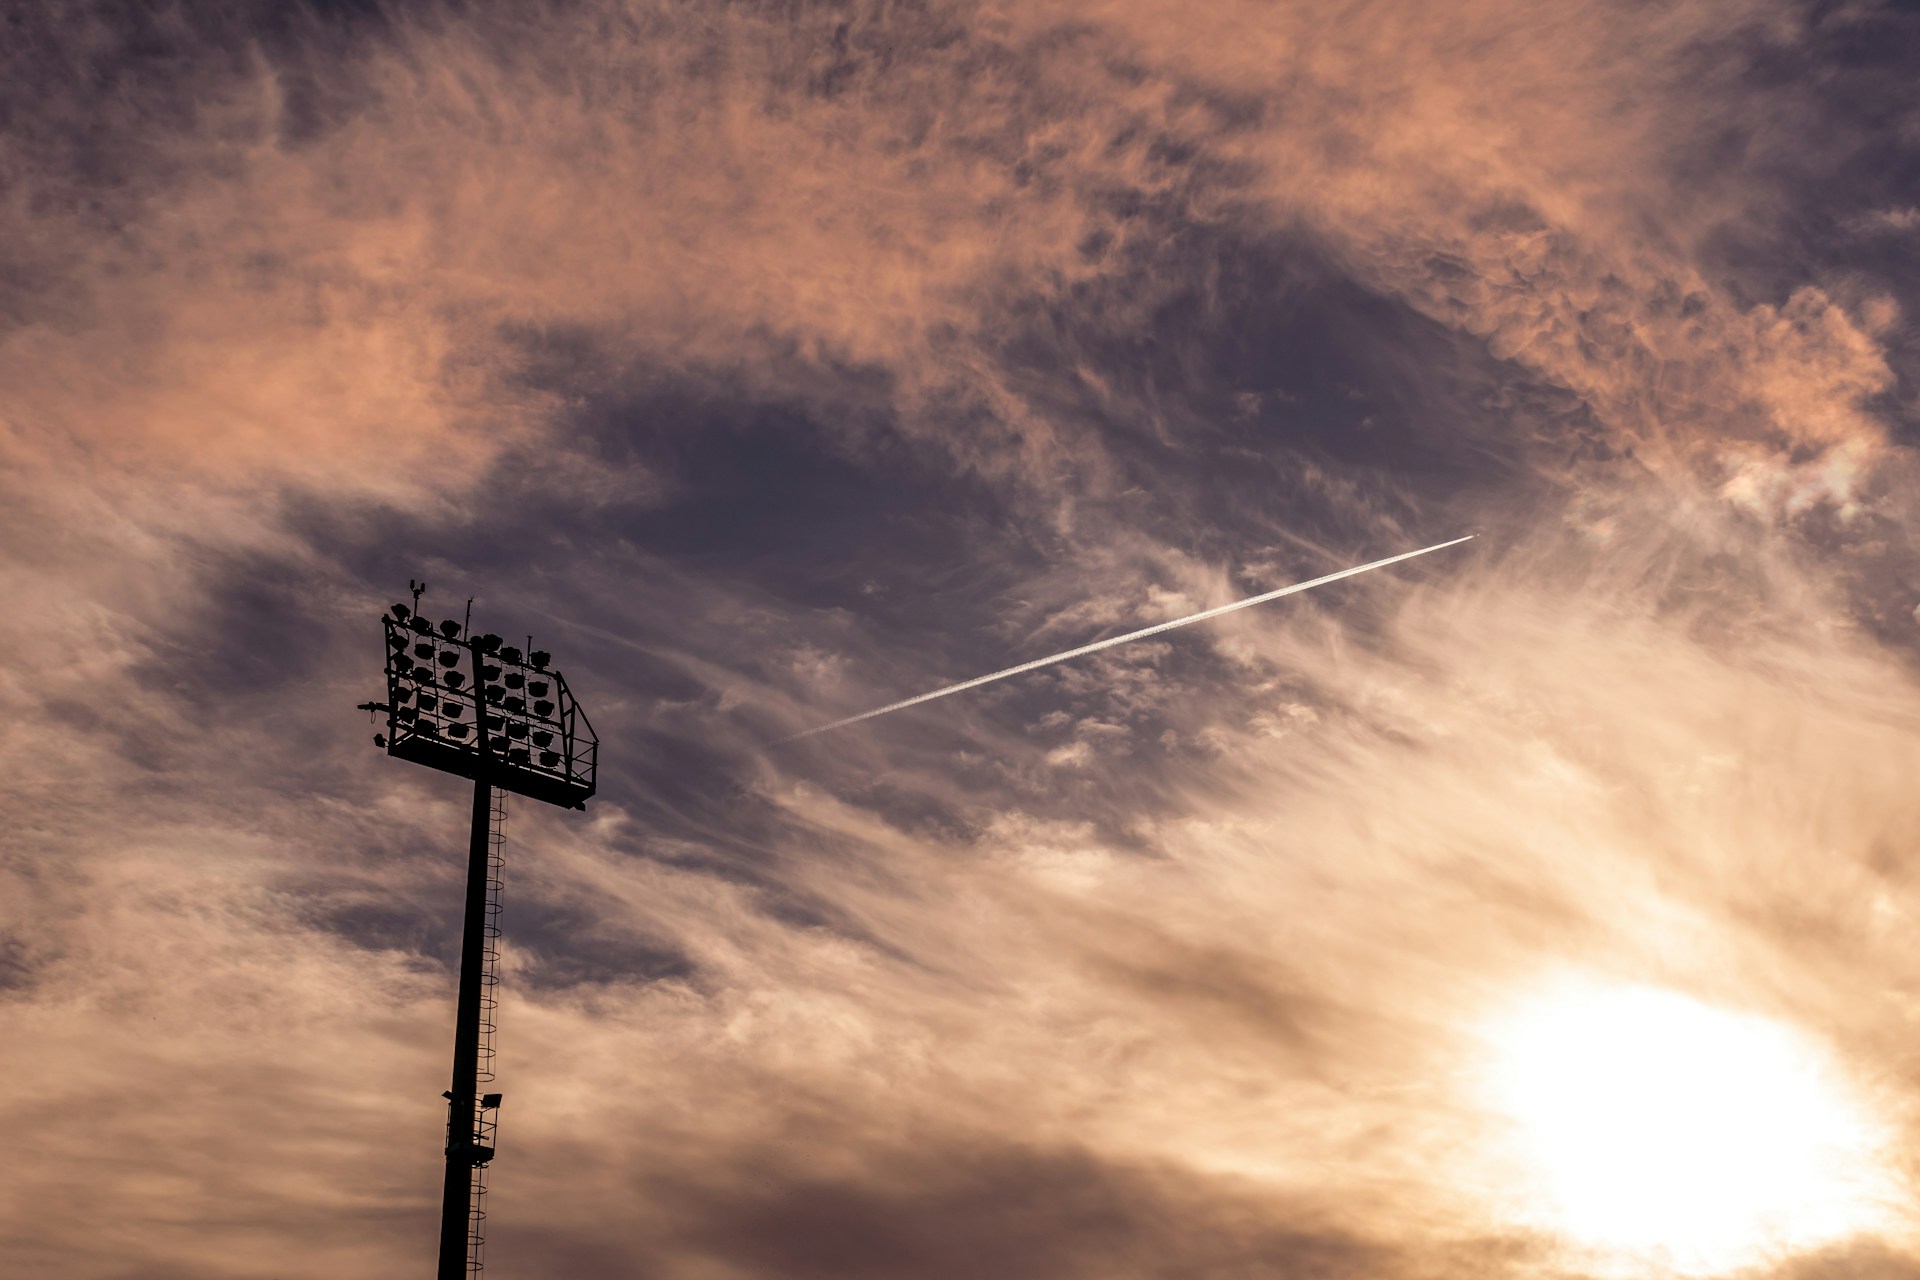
(1541, 907)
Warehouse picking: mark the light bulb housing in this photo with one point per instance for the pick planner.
(551, 759)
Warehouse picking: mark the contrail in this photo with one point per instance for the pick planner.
(1098, 645)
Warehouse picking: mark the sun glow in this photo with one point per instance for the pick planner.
(1662, 1132)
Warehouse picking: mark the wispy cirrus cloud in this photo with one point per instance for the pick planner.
(777, 361)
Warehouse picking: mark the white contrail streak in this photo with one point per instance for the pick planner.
(1098, 645)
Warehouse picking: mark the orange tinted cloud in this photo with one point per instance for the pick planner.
(1168, 962)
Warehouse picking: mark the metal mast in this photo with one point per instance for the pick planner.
(528, 736)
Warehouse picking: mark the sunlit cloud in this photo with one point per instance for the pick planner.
(764, 359)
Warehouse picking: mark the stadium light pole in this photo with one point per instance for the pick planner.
(528, 736)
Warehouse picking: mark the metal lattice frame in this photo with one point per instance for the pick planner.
(540, 743)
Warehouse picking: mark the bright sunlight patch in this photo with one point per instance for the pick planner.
(1662, 1132)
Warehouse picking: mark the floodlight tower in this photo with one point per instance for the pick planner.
(474, 706)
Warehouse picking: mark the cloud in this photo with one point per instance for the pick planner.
(776, 361)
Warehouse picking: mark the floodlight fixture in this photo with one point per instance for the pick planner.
(426, 723)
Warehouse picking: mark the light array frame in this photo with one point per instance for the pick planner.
(441, 680)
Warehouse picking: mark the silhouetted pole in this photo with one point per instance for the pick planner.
(529, 738)
(463, 1097)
